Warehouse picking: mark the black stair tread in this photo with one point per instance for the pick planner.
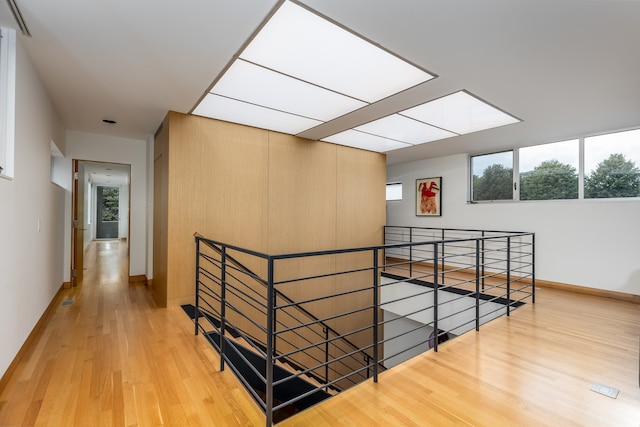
(191, 312)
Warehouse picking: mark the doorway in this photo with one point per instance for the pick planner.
(100, 209)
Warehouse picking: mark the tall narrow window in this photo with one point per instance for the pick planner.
(492, 176)
(110, 203)
(107, 212)
(612, 165)
(549, 171)
(7, 99)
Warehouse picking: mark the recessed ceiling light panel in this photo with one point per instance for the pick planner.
(366, 141)
(404, 129)
(252, 115)
(301, 70)
(461, 113)
(303, 45)
(257, 85)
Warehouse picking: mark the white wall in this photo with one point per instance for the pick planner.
(591, 243)
(102, 148)
(123, 209)
(150, 184)
(31, 260)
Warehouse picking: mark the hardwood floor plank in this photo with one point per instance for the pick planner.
(112, 359)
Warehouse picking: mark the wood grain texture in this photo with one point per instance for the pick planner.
(262, 190)
(112, 358)
(534, 368)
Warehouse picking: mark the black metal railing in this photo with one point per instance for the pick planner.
(291, 312)
(332, 319)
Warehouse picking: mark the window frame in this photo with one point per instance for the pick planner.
(7, 101)
(582, 174)
(401, 190)
(470, 175)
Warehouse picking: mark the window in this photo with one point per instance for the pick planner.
(110, 203)
(611, 164)
(610, 169)
(394, 191)
(7, 99)
(549, 171)
(492, 176)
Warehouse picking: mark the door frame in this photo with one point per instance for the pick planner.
(78, 228)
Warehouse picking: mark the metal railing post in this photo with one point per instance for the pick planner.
(508, 275)
(367, 361)
(477, 285)
(269, 342)
(197, 302)
(223, 301)
(410, 252)
(533, 268)
(326, 356)
(483, 275)
(443, 251)
(376, 303)
(435, 296)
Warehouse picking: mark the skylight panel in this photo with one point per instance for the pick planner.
(257, 85)
(366, 141)
(303, 45)
(232, 110)
(301, 70)
(404, 129)
(461, 113)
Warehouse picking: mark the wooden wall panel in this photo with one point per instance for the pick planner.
(302, 194)
(160, 217)
(266, 191)
(302, 217)
(218, 187)
(361, 215)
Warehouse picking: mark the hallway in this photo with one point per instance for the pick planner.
(111, 358)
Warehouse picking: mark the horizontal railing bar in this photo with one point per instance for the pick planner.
(324, 319)
(256, 298)
(405, 350)
(321, 276)
(462, 230)
(417, 328)
(321, 365)
(307, 371)
(308, 301)
(329, 384)
(262, 328)
(384, 247)
(330, 341)
(232, 247)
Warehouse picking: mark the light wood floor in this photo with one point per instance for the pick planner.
(112, 358)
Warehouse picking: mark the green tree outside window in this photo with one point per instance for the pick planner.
(494, 184)
(613, 177)
(549, 180)
(110, 203)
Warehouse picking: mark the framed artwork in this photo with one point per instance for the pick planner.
(429, 196)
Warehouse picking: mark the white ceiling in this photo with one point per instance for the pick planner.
(108, 174)
(565, 67)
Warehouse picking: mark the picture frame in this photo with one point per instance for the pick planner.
(429, 196)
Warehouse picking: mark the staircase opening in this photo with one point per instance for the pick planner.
(299, 328)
